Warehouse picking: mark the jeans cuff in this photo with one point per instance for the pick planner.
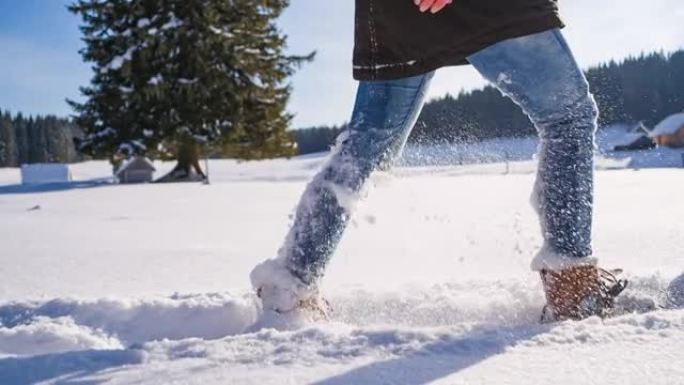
(548, 259)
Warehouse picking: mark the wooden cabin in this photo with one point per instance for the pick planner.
(670, 132)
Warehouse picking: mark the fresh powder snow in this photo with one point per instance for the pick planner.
(149, 284)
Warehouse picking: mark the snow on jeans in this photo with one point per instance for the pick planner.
(540, 74)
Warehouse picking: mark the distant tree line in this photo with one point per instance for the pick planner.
(645, 88)
(648, 88)
(316, 139)
(36, 139)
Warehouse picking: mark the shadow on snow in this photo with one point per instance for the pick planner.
(67, 368)
(52, 187)
(439, 359)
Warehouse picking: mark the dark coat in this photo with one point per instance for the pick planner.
(394, 40)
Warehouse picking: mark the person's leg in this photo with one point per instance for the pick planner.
(383, 116)
(541, 75)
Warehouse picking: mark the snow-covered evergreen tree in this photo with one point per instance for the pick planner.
(172, 75)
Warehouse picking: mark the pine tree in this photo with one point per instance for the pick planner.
(37, 140)
(171, 75)
(22, 138)
(8, 145)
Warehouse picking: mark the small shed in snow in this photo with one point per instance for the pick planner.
(42, 173)
(670, 132)
(138, 169)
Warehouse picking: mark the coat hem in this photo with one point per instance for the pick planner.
(446, 58)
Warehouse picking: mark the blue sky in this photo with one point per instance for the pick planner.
(40, 65)
(39, 60)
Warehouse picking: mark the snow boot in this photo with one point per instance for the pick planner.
(283, 310)
(579, 292)
(313, 307)
(287, 302)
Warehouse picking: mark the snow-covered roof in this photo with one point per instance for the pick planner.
(640, 128)
(137, 163)
(620, 135)
(669, 126)
(632, 134)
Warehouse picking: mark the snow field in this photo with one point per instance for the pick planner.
(410, 336)
(635, 347)
(431, 284)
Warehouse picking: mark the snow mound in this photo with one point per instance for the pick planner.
(40, 173)
(62, 325)
(412, 334)
(345, 354)
(53, 335)
(342, 354)
(335, 341)
(69, 324)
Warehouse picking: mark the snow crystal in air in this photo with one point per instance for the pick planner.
(504, 78)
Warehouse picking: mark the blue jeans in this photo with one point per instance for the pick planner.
(539, 73)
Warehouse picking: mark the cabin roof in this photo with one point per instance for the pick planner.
(669, 125)
(640, 129)
(138, 163)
